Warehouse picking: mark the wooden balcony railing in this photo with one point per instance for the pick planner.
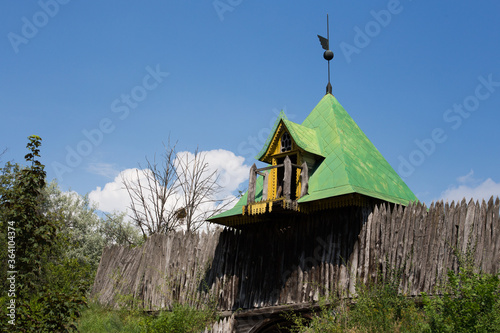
(287, 181)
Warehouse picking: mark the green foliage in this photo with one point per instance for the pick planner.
(470, 300)
(97, 319)
(50, 311)
(49, 289)
(181, 318)
(35, 232)
(378, 307)
(86, 233)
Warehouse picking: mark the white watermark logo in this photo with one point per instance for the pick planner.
(253, 144)
(364, 36)
(122, 107)
(223, 6)
(31, 27)
(454, 116)
(11, 272)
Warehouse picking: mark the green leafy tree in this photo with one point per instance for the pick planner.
(35, 232)
(40, 306)
(86, 232)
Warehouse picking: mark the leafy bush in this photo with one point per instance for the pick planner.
(182, 318)
(378, 307)
(97, 319)
(470, 301)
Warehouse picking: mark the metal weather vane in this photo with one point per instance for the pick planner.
(328, 54)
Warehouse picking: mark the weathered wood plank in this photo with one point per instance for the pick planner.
(301, 257)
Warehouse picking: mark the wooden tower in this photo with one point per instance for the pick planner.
(324, 163)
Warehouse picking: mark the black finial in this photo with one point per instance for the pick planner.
(328, 54)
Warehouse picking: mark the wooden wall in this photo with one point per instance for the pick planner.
(296, 259)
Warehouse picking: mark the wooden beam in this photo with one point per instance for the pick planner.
(287, 180)
(278, 166)
(264, 188)
(251, 184)
(270, 167)
(304, 174)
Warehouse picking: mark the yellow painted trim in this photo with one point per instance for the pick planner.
(271, 184)
(335, 202)
(275, 145)
(298, 180)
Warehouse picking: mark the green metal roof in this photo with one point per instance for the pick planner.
(306, 138)
(350, 163)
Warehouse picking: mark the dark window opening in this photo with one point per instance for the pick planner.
(286, 142)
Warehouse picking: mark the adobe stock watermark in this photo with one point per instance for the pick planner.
(364, 36)
(453, 116)
(11, 272)
(253, 144)
(31, 26)
(223, 6)
(121, 107)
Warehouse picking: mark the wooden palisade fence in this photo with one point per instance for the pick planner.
(299, 258)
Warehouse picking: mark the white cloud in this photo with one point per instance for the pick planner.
(231, 168)
(113, 197)
(470, 187)
(103, 169)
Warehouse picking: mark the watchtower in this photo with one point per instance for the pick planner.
(324, 163)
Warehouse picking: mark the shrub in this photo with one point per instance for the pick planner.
(378, 307)
(182, 318)
(470, 302)
(97, 319)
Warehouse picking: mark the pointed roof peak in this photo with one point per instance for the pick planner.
(352, 164)
(282, 115)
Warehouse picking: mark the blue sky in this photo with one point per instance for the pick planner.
(105, 83)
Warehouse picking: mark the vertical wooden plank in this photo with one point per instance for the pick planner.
(487, 234)
(418, 241)
(287, 180)
(496, 238)
(434, 244)
(304, 174)
(251, 184)
(444, 238)
(385, 244)
(372, 265)
(480, 236)
(265, 185)
(407, 218)
(468, 226)
(362, 251)
(462, 233)
(367, 248)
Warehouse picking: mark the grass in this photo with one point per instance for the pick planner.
(181, 318)
(98, 319)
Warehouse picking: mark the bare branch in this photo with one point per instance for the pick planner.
(180, 191)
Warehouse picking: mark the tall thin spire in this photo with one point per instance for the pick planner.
(328, 54)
